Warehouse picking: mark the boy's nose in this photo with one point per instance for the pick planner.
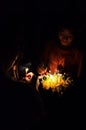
(66, 38)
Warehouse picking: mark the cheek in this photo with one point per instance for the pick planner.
(60, 38)
(69, 40)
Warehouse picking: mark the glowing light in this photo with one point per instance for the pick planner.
(55, 81)
(26, 70)
(28, 77)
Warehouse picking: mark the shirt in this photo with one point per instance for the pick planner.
(68, 58)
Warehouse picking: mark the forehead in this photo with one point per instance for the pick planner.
(65, 32)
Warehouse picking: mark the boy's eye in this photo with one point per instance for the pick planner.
(66, 36)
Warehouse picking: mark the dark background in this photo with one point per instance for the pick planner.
(26, 26)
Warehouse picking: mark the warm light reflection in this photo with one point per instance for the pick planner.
(55, 81)
(28, 77)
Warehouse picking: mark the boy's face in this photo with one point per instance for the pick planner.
(65, 37)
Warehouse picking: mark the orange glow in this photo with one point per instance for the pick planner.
(54, 81)
(55, 62)
(61, 62)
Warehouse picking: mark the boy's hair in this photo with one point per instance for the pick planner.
(68, 27)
